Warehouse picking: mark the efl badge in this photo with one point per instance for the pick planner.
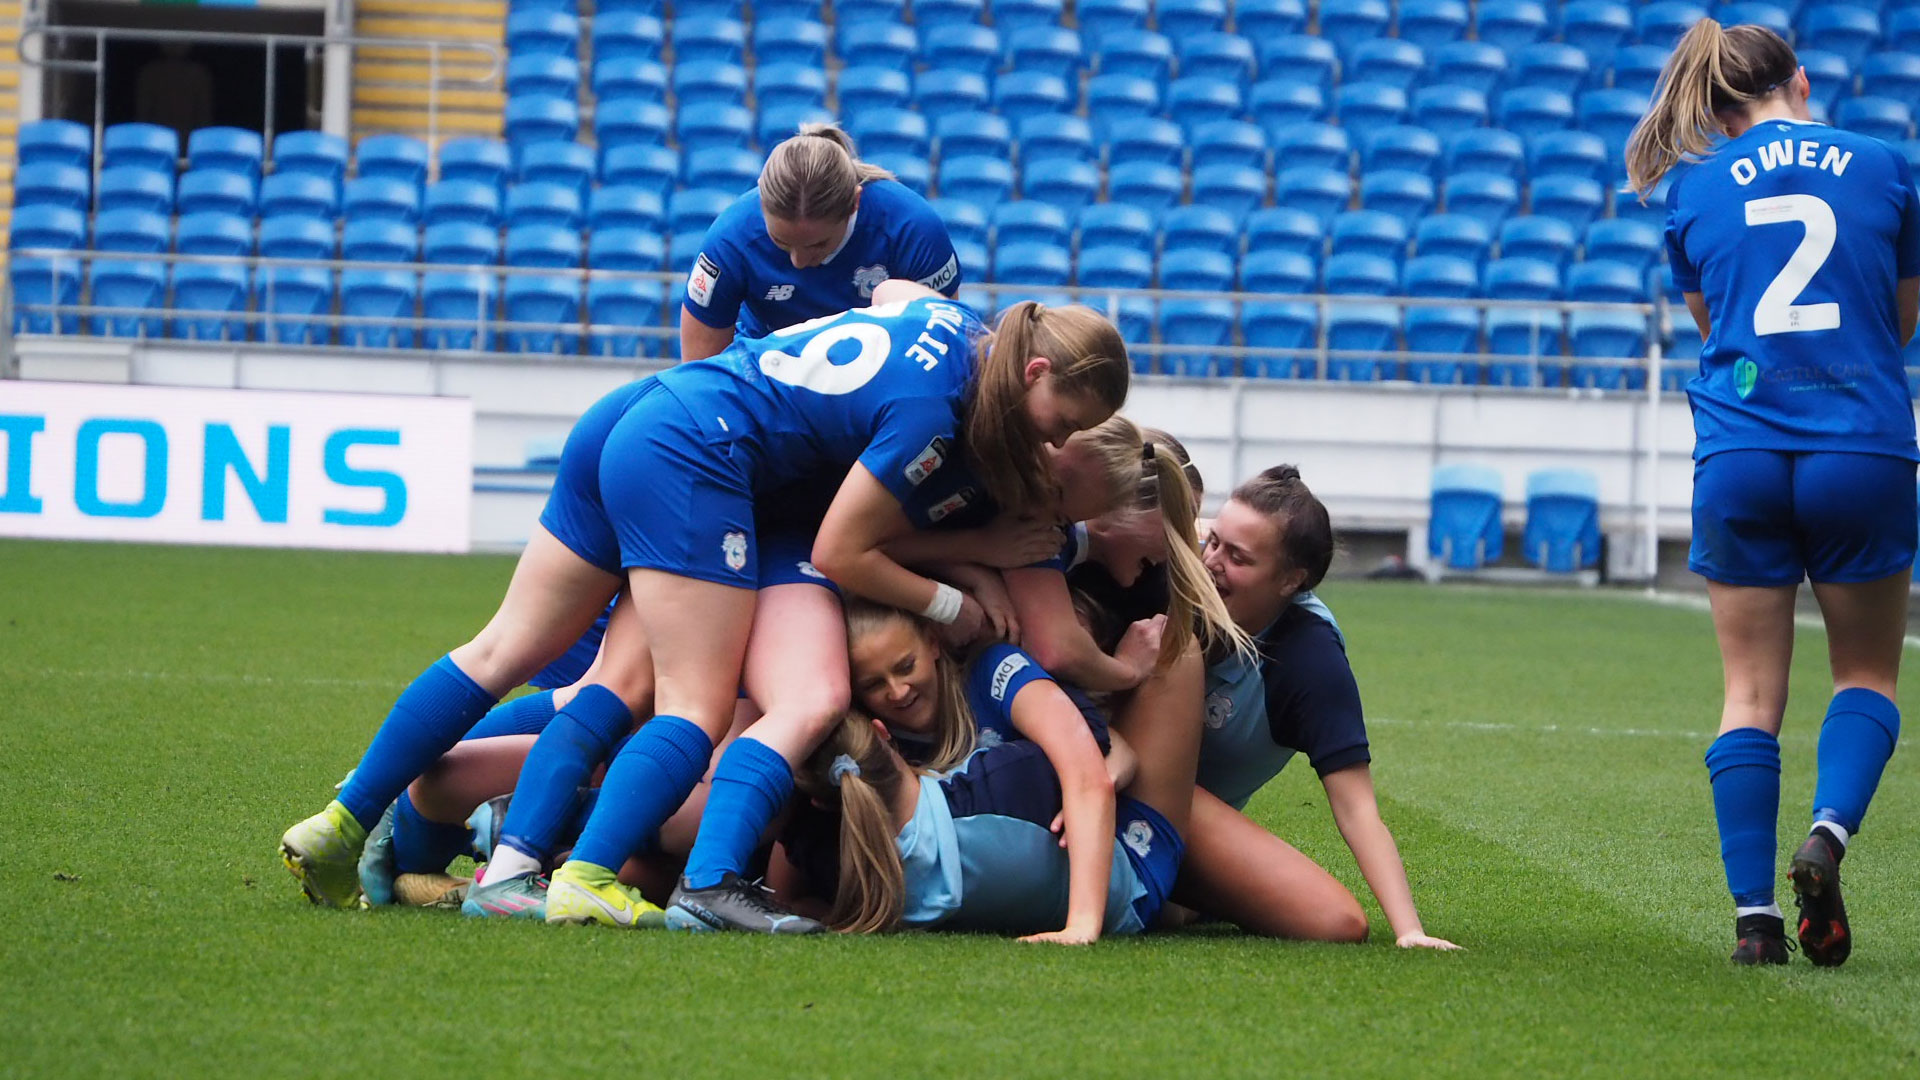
(926, 461)
(701, 281)
(734, 547)
(867, 277)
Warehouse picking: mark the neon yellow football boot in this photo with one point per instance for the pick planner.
(323, 854)
(582, 893)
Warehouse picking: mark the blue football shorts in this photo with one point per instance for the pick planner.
(1772, 517)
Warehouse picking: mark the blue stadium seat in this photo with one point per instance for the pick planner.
(146, 146)
(1291, 325)
(1347, 23)
(1369, 329)
(1054, 137)
(654, 167)
(1527, 113)
(1300, 58)
(1360, 275)
(973, 134)
(1020, 94)
(1285, 229)
(299, 193)
(1636, 68)
(41, 282)
(1847, 31)
(1229, 142)
(485, 161)
(568, 164)
(877, 44)
(927, 13)
(1485, 196)
(1325, 146)
(892, 131)
(1196, 270)
(1883, 118)
(290, 297)
(1047, 50)
(957, 47)
(1632, 243)
(1521, 279)
(549, 303)
(792, 40)
(461, 243)
(51, 227)
(1113, 224)
(1150, 186)
(778, 123)
(620, 248)
(1099, 19)
(137, 288)
(1256, 20)
(888, 12)
(983, 181)
(1200, 227)
(360, 241)
(1279, 273)
(543, 33)
(51, 184)
(701, 9)
(617, 307)
(134, 187)
(461, 200)
(381, 198)
(1363, 106)
(549, 76)
(940, 92)
(1523, 332)
(1217, 55)
(1830, 77)
(1069, 185)
(1188, 327)
(314, 153)
(1552, 65)
(1441, 331)
(1179, 18)
(636, 80)
(1115, 101)
(1473, 64)
(1196, 101)
(200, 190)
(1389, 61)
(226, 149)
(1015, 15)
(1233, 188)
(1562, 533)
(1030, 222)
(1449, 109)
(1406, 195)
(1607, 335)
(1546, 239)
(1568, 153)
(1903, 31)
(1574, 200)
(1115, 268)
(1663, 22)
(205, 299)
(1627, 205)
(1892, 75)
(1486, 150)
(544, 247)
(1441, 277)
(1370, 232)
(1428, 23)
(1597, 28)
(693, 211)
(1277, 106)
(1141, 54)
(723, 168)
(131, 231)
(543, 204)
(696, 129)
(1777, 19)
(534, 119)
(1463, 521)
(965, 222)
(708, 40)
(393, 157)
(1611, 114)
(701, 83)
(1607, 283)
(625, 37)
(1509, 24)
(790, 84)
(1032, 264)
(975, 265)
(1320, 192)
(1456, 235)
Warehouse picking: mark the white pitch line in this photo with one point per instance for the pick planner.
(1541, 729)
(1699, 603)
(213, 677)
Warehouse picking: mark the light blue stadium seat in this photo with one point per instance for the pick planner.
(877, 44)
(701, 83)
(1612, 114)
(1627, 205)
(1200, 227)
(459, 295)
(1258, 19)
(539, 118)
(965, 221)
(1473, 64)
(618, 307)
(203, 293)
(1883, 118)
(1301, 58)
(654, 167)
(49, 183)
(50, 227)
(1527, 113)
(617, 206)
(696, 129)
(1831, 77)
(892, 131)
(314, 153)
(1115, 101)
(633, 80)
(1099, 19)
(1235, 189)
(1363, 106)
(1360, 275)
(975, 265)
(543, 33)
(620, 248)
(386, 300)
(1113, 224)
(1286, 229)
(1119, 268)
(1441, 331)
(888, 12)
(1320, 192)
(1510, 24)
(1052, 136)
(462, 200)
(1141, 54)
(130, 230)
(568, 164)
(1847, 31)
(201, 191)
(1427, 23)
(1441, 277)
(484, 161)
(381, 198)
(1563, 520)
(1606, 282)
(1030, 222)
(144, 146)
(1463, 525)
(973, 134)
(1032, 264)
(943, 12)
(1631, 243)
(541, 203)
(299, 194)
(1449, 109)
(134, 187)
(1552, 65)
(1546, 239)
(298, 236)
(1406, 195)
(1607, 335)
(542, 300)
(1371, 330)
(1597, 28)
(723, 168)
(1150, 186)
(940, 92)
(1045, 50)
(1568, 153)
(1325, 146)
(983, 181)
(1016, 15)
(551, 76)
(1399, 146)
(1663, 22)
(1456, 235)
(1347, 23)
(693, 210)
(792, 85)
(42, 281)
(542, 247)
(461, 243)
(1192, 326)
(393, 157)
(1389, 61)
(1573, 199)
(913, 173)
(790, 39)
(1020, 94)
(1279, 272)
(1217, 55)
(1196, 270)
(1192, 102)
(289, 297)
(1179, 18)
(1635, 68)
(1370, 232)
(962, 47)
(1892, 75)
(1486, 150)
(226, 149)
(654, 7)
(1280, 325)
(625, 37)
(1523, 332)
(363, 241)
(137, 288)
(1278, 105)
(705, 39)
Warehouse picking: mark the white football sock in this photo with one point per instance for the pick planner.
(507, 862)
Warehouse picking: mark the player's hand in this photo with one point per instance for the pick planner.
(1059, 827)
(1139, 648)
(965, 627)
(1419, 940)
(991, 591)
(1068, 936)
(1011, 542)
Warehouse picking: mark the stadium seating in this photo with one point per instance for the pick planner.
(1563, 520)
(1463, 526)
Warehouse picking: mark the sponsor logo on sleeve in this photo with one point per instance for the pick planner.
(952, 504)
(701, 281)
(1004, 674)
(867, 277)
(926, 461)
(942, 279)
(734, 547)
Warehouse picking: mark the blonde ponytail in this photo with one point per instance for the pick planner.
(856, 772)
(815, 176)
(1712, 70)
(1193, 603)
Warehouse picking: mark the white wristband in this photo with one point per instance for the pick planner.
(945, 605)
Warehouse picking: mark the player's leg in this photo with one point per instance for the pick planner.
(796, 670)
(1162, 721)
(1238, 871)
(425, 828)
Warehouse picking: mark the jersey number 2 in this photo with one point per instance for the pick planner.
(1777, 313)
(814, 370)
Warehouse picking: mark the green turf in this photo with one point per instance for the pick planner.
(170, 710)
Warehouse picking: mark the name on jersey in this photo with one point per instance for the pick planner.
(1801, 153)
(1004, 674)
(923, 350)
(700, 282)
(927, 461)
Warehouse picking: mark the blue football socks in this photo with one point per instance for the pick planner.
(581, 736)
(431, 715)
(421, 846)
(647, 782)
(527, 715)
(1860, 732)
(749, 788)
(1744, 765)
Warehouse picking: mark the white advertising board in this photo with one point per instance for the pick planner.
(246, 467)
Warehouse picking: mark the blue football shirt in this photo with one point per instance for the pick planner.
(741, 279)
(1795, 235)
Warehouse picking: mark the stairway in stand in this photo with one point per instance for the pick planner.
(392, 83)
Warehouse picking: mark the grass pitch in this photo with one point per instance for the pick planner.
(169, 711)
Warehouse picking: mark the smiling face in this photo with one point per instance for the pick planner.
(894, 676)
(807, 243)
(1243, 554)
(1056, 414)
(1128, 543)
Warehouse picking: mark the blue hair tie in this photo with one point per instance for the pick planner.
(842, 765)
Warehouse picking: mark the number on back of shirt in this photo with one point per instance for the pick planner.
(813, 367)
(1776, 313)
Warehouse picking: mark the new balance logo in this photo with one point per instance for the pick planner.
(780, 292)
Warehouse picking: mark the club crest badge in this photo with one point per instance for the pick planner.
(1138, 838)
(810, 570)
(734, 547)
(867, 277)
(1219, 711)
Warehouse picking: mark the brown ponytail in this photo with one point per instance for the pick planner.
(815, 176)
(1306, 530)
(856, 772)
(1712, 70)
